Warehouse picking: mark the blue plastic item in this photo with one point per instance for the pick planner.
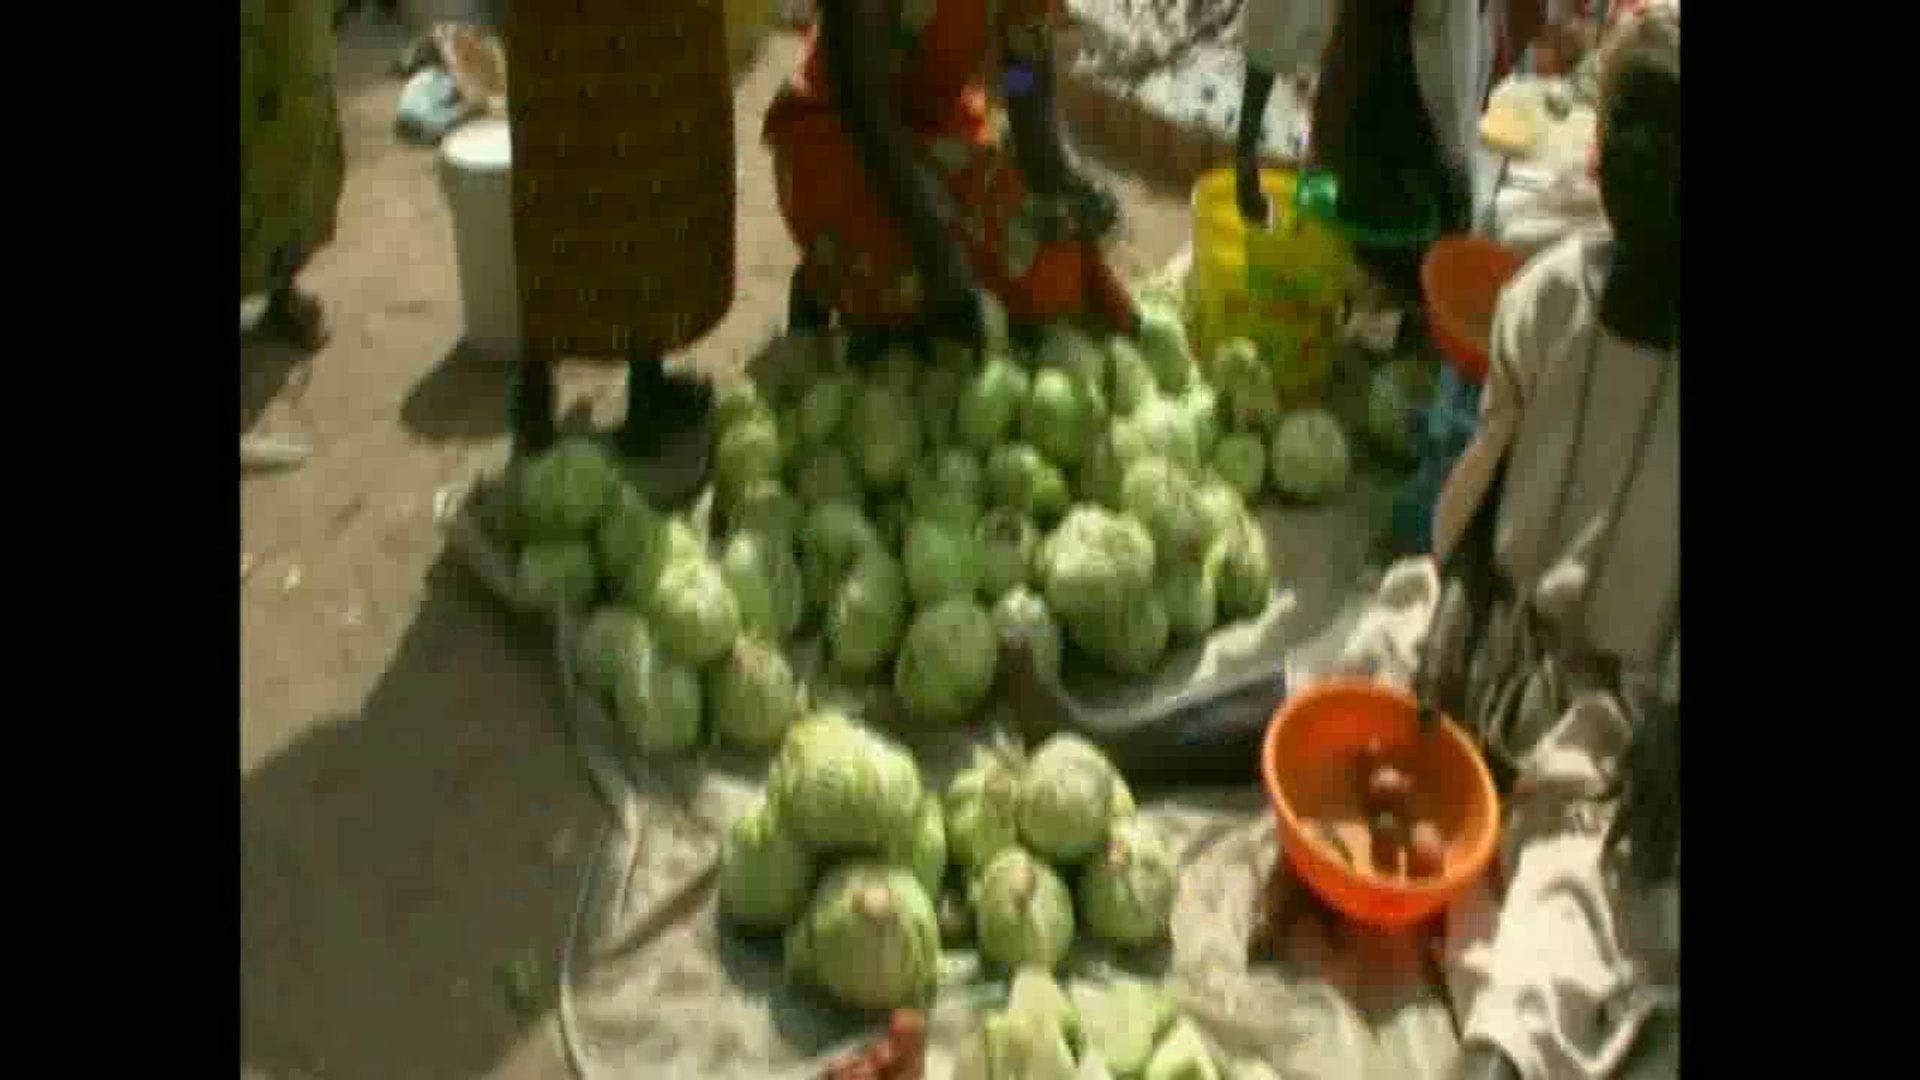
(1445, 427)
(430, 106)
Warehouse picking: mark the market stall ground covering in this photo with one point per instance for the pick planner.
(413, 822)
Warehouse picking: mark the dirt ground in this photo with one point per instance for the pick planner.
(413, 825)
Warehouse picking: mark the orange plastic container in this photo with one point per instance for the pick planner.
(1310, 762)
(1461, 279)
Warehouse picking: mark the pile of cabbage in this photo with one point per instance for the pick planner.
(677, 642)
(1121, 1029)
(1050, 845)
(844, 855)
(1083, 490)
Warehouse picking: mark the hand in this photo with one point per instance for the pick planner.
(1439, 682)
(1254, 207)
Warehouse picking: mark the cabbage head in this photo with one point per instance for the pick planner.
(1162, 428)
(657, 702)
(883, 436)
(1134, 642)
(824, 406)
(1023, 913)
(1020, 615)
(766, 506)
(766, 873)
(1219, 505)
(1161, 495)
(1181, 1055)
(753, 695)
(1202, 407)
(1093, 562)
(563, 492)
(1064, 346)
(1241, 460)
(898, 369)
(673, 543)
(764, 577)
(1065, 795)
(944, 561)
(867, 615)
(1020, 476)
(558, 575)
(1126, 894)
(1132, 377)
(1190, 596)
(946, 664)
(693, 613)
(612, 638)
(1309, 460)
(1399, 390)
(870, 938)
(833, 537)
(630, 539)
(1246, 385)
(826, 474)
(1008, 543)
(982, 805)
(924, 850)
(891, 521)
(747, 451)
(1062, 414)
(990, 404)
(845, 788)
(1102, 472)
(1243, 572)
(736, 401)
(949, 485)
(1163, 340)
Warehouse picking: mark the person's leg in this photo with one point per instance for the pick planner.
(295, 317)
(660, 404)
(530, 403)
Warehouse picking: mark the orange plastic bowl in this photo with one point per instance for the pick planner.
(1310, 762)
(1461, 278)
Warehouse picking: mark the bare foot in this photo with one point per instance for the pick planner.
(297, 319)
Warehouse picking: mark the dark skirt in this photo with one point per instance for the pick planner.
(623, 173)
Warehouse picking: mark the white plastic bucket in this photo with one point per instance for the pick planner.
(476, 176)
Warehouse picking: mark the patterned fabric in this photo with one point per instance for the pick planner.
(291, 163)
(856, 257)
(623, 173)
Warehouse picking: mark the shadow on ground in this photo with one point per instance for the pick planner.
(389, 859)
(464, 396)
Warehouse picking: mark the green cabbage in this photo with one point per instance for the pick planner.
(1061, 416)
(558, 575)
(990, 404)
(1219, 505)
(1023, 913)
(938, 397)
(1162, 427)
(1093, 563)
(982, 811)
(609, 641)
(630, 540)
(870, 938)
(1020, 476)
(1134, 641)
(1064, 346)
(1241, 459)
(754, 696)
(823, 407)
(843, 787)
(826, 474)
(765, 872)
(1189, 595)
(737, 401)
(947, 661)
(867, 615)
(1126, 894)
(673, 542)
(1309, 460)
(693, 613)
(1008, 543)
(657, 702)
(1202, 407)
(833, 537)
(1161, 495)
(1021, 615)
(949, 485)
(766, 506)
(1181, 1055)
(943, 562)
(747, 451)
(1243, 572)
(1133, 379)
(924, 850)
(563, 492)
(1398, 391)
(1163, 340)
(883, 436)
(765, 579)
(1246, 385)
(1065, 796)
